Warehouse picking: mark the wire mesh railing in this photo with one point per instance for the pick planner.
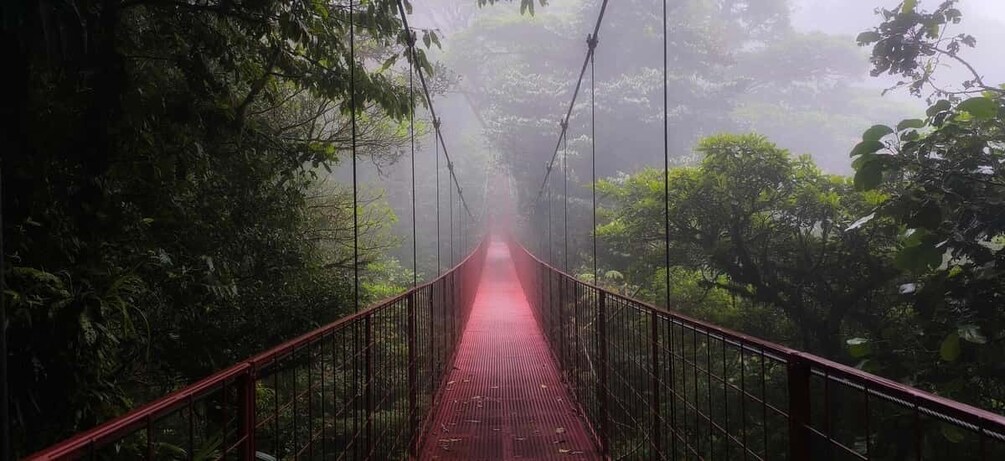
(359, 388)
(658, 385)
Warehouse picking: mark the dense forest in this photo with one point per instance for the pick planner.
(169, 200)
(892, 269)
(176, 193)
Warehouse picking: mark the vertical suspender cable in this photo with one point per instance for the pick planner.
(551, 252)
(450, 215)
(355, 198)
(592, 40)
(437, 136)
(575, 95)
(436, 154)
(411, 135)
(666, 234)
(565, 201)
(355, 186)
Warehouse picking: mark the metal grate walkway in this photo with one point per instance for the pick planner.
(504, 398)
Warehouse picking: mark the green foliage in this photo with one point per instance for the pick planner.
(526, 6)
(767, 228)
(945, 185)
(164, 206)
(912, 42)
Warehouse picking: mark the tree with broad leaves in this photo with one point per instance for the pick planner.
(945, 180)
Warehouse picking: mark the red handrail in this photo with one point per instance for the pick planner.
(454, 290)
(801, 368)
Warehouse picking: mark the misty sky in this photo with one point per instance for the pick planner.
(984, 19)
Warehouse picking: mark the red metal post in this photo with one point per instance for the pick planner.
(602, 371)
(561, 324)
(412, 376)
(553, 330)
(656, 404)
(451, 314)
(432, 338)
(799, 409)
(368, 385)
(246, 413)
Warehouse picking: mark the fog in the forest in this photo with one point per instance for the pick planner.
(187, 184)
(787, 69)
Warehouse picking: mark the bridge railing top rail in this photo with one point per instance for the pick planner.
(226, 385)
(956, 413)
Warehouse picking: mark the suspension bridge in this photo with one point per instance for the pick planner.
(506, 356)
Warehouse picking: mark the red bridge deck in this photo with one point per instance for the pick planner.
(504, 398)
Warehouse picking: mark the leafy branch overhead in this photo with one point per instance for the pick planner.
(944, 183)
(526, 6)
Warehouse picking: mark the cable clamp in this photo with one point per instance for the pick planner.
(564, 124)
(436, 123)
(591, 41)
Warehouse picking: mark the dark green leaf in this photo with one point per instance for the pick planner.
(869, 176)
(950, 349)
(866, 38)
(876, 133)
(928, 215)
(918, 258)
(910, 123)
(980, 107)
(940, 106)
(867, 147)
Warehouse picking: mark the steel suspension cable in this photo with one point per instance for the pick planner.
(666, 252)
(411, 135)
(355, 197)
(565, 203)
(436, 154)
(449, 196)
(355, 185)
(438, 134)
(592, 41)
(575, 94)
(432, 109)
(551, 252)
